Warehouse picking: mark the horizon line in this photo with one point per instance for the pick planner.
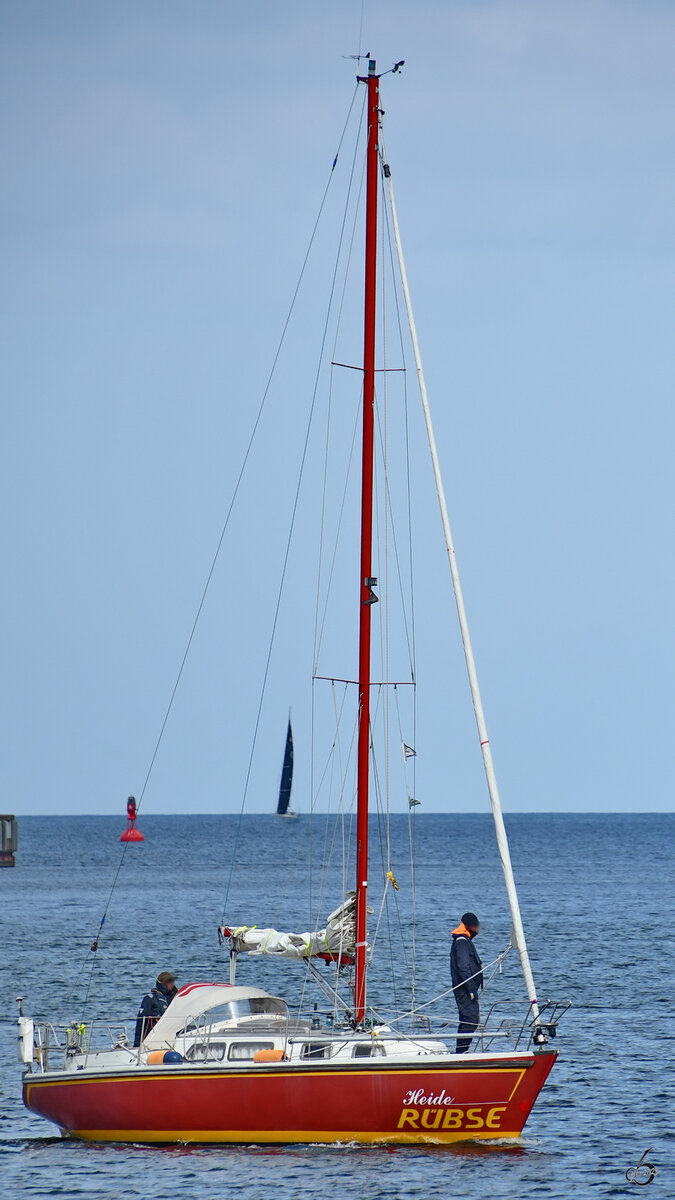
(438, 812)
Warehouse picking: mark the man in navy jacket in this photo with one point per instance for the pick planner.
(467, 977)
(154, 1004)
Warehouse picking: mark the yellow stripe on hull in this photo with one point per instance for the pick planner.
(288, 1137)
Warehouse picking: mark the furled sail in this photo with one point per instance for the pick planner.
(335, 943)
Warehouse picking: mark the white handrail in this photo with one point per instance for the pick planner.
(518, 934)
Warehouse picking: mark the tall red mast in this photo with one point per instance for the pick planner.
(366, 594)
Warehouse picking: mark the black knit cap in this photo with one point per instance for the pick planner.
(470, 920)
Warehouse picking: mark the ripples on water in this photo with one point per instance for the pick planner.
(596, 895)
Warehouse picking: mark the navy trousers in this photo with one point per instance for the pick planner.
(468, 1020)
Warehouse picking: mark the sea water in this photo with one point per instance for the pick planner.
(596, 894)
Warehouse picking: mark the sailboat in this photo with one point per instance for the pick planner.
(231, 1063)
(286, 783)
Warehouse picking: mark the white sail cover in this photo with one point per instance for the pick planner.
(337, 940)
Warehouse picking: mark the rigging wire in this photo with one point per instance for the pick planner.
(388, 879)
(412, 808)
(384, 614)
(318, 638)
(303, 459)
(382, 705)
(336, 748)
(386, 527)
(315, 651)
(397, 559)
(385, 524)
(209, 577)
(338, 326)
(495, 963)
(319, 622)
(315, 916)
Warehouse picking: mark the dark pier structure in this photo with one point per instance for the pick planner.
(9, 840)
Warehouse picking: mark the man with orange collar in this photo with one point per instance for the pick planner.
(467, 977)
(154, 1004)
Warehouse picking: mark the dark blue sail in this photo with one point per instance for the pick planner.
(286, 775)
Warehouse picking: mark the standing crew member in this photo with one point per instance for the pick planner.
(154, 1004)
(467, 977)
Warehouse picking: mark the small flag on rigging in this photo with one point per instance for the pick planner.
(413, 803)
(408, 751)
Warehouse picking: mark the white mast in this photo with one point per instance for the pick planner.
(518, 934)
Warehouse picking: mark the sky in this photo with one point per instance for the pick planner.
(163, 165)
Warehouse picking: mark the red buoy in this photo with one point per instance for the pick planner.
(131, 833)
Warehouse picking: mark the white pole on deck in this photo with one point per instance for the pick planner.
(502, 841)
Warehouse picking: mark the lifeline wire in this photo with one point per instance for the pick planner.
(496, 963)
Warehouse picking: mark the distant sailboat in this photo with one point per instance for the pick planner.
(287, 778)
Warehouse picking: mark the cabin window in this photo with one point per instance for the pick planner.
(316, 1050)
(368, 1050)
(266, 1008)
(206, 1052)
(240, 1051)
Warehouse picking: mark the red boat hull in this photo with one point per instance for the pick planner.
(486, 1098)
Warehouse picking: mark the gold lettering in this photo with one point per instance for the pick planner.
(453, 1118)
(474, 1118)
(494, 1117)
(409, 1116)
(436, 1113)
